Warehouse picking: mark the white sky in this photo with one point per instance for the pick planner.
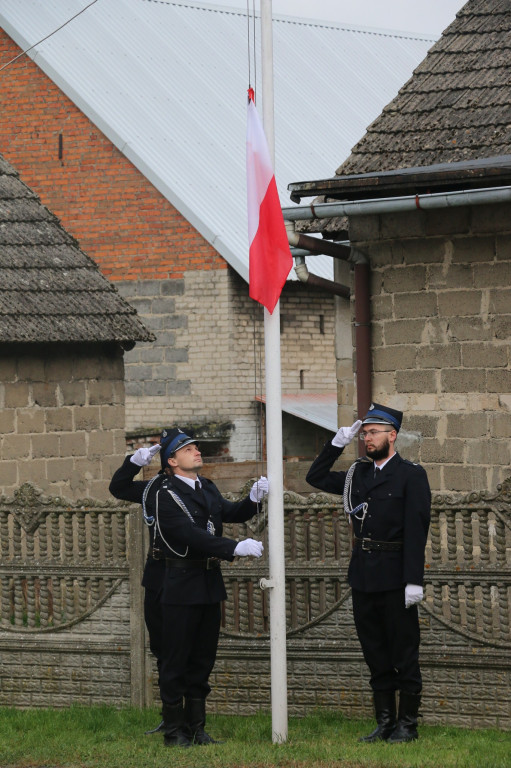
(429, 17)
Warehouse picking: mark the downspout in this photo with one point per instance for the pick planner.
(364, 368)
(307, 244)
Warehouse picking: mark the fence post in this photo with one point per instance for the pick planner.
(136, 557)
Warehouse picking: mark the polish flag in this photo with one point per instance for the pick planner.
(270, 258)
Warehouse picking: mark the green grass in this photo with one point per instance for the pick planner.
(101, 737)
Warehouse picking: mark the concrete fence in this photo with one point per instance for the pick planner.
(71, 626)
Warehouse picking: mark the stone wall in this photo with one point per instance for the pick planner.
(207, 363)
(441, 331)
(61, 418)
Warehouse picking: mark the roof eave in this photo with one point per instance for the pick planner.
(442, 177)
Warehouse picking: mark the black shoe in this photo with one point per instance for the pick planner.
(385, 710)
(406, 728)
(195, 717)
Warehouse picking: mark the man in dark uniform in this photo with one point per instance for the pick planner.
(186, 512)
(388, 500)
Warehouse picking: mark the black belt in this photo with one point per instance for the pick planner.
(207, 564)
(156, 554)
(369, 545)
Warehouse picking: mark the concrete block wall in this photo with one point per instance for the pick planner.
(61, 418)
(207, 362)
(307, 340)
(441, 331)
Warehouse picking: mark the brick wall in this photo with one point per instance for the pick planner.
(61, 418)
(441, 309)
(118, 217)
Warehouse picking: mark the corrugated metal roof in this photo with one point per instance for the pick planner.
(317, 407)
(166, 83)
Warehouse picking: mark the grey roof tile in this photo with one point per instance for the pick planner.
(50, 290)
(457, 104)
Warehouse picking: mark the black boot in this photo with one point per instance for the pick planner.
(195, 717)
(385, 710)
(406, 728)
(174, 734)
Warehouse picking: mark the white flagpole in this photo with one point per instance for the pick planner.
(277, 580)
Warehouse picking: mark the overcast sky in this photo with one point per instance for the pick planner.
(429, 17)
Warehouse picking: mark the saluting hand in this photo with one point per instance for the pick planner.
(143, 456)
(345, 435)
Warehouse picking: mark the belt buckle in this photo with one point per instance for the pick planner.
(364, 548)
(210, 563)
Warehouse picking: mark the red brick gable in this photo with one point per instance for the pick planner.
(119, 218)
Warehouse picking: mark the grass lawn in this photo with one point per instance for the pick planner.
(100, 737)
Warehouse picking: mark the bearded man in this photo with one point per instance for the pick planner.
(388, 501)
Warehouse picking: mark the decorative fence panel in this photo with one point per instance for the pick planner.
(465, 627)
(71, 627)
(65, 629)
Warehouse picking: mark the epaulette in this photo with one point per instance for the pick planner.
(411, 463)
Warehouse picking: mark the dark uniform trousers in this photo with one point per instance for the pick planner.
(154, 574)
(188, 656)
(392, 653)
(398, 502)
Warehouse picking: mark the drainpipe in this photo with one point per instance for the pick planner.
(306, 244)
(362, 337)
(329, 286)
(362, 302)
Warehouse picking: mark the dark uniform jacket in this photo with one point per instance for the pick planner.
(177, 537)
(399, 501)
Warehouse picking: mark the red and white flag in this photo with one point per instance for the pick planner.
(270, 258)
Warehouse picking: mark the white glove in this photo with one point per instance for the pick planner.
(345, 435)
(143, 456)
(259, 490)
(249, 547)
(413, 594)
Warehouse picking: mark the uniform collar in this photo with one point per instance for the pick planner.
(187, 480)
(380, 466)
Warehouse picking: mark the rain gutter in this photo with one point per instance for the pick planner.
(487, 196)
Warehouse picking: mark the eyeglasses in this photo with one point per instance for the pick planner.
(372, 433)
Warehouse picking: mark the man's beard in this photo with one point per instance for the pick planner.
(379, 453)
